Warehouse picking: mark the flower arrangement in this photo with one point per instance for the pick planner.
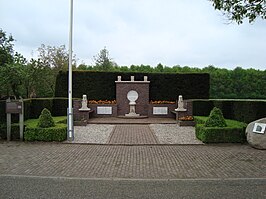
(162, 102)
(102, 101)
(186, 118)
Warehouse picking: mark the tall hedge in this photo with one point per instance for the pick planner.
(163, 86)
(240, 110)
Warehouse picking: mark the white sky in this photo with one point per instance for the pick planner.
(137, 32)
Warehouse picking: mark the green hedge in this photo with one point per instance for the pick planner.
(233, 133)
(57, 133)
(240, 110)
(163, 86)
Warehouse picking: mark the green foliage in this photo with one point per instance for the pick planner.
(238, 10)
(240, 110)
(233, 133)
(45, 119)
(216, 119)
(101, 85)
(103, 62)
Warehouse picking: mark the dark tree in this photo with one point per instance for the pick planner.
(238, 10)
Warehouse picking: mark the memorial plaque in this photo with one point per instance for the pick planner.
(104, 110)
(13, 107)
(259, 128)
(160, 110)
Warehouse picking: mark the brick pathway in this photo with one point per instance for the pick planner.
(145, 162)
(132, 134)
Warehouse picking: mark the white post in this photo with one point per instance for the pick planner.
(70, 128)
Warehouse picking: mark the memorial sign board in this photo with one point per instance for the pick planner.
(14, 107)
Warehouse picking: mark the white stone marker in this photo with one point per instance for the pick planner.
(180, 104)
(84, 104)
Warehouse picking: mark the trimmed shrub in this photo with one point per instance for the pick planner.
(45, 120)
(58, 133)
(233, 133)
(216, 119)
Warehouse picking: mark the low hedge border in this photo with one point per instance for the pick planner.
(233, 133)
(57, 133)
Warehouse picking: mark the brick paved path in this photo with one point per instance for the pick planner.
(146, 162)
(132, 134)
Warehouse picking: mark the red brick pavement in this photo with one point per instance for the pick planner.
(132, 134)
(138, 162)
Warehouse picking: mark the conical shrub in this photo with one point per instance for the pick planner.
(216, 119)
(45, 119)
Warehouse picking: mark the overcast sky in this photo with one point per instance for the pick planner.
(171, 32)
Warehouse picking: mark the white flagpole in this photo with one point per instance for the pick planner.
(70, 127)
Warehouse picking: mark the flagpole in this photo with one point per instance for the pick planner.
(70, 127)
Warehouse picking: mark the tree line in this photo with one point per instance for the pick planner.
(36, 77)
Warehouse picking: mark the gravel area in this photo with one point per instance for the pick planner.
(165, 133)
(174, 134)
(93, 133)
